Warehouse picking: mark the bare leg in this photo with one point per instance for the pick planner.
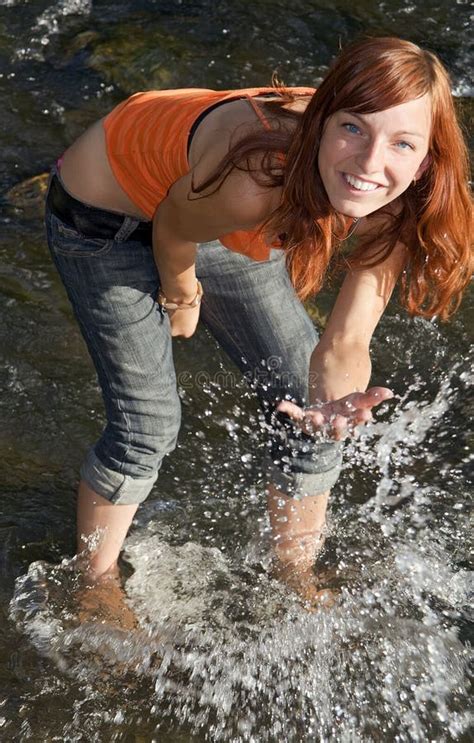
(101, 597)
(96, 515)
(298, 535)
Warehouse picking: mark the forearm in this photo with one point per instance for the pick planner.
(175, 261)
(337, 368)
(175, 256)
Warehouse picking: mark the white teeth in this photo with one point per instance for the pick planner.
(360, 185)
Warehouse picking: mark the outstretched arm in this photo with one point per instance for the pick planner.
(340, 364)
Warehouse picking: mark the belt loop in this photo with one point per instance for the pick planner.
(129, 225)
(52, 173)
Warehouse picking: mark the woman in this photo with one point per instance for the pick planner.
(229, 207)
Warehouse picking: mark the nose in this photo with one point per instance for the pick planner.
(370, 157)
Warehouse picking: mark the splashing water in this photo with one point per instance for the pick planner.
(227, 653)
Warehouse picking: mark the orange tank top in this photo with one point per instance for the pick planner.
(147, 142)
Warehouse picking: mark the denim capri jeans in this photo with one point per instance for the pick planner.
(250, 307)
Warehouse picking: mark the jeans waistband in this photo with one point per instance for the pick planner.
(90, 221)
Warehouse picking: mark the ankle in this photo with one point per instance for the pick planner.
(300, 546)
(93, 569)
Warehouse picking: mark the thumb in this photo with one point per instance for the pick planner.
(372, 396)
(291, 409)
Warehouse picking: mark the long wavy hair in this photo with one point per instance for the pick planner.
(434, 221)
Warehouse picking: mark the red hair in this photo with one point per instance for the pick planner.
(435, 219)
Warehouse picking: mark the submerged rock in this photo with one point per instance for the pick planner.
(29, 195)
(140, 62)
(79, 43)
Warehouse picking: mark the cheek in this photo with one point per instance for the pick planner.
(406, 171)
(323, 148)
(331, 150)
(323, 163)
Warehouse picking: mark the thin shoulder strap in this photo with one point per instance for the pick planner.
(258, 111)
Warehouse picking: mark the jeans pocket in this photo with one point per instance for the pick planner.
(66, 240)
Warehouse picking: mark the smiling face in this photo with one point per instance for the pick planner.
(367, 160)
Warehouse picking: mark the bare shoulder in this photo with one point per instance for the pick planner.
(236, 203)
(242, 197)
(235, 200)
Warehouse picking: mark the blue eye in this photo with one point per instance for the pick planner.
(405, 145)
(352, 128)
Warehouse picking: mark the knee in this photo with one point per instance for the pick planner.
(300, 453)
(155, 434)
(123, 466)
(299, 464)
(134, 443)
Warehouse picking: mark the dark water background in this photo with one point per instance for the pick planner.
(390, 662)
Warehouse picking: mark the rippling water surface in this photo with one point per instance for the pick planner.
(221, 651)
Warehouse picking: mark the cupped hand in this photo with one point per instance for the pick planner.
(338, 417)
(184, 322)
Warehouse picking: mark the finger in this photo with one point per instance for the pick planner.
(291, 409)
(313, 420)
(362, 415)
(370, 398)
(339, 424)
(308, 420)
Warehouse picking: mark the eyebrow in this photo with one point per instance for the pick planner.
(395, 134)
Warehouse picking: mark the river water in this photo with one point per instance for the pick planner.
(222, 652)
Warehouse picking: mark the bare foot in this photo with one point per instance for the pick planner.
(302, 581)
(293, 566)
(103, 601)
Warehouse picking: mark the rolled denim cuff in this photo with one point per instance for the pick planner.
(119, 489)
(299, 477)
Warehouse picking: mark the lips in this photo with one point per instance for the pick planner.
(358, 184)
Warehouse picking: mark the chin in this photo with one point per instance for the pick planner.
(356, 211)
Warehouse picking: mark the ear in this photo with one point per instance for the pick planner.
(424, 165)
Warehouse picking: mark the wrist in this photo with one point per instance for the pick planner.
(181, 300)
(179, 288)
(338, 372)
